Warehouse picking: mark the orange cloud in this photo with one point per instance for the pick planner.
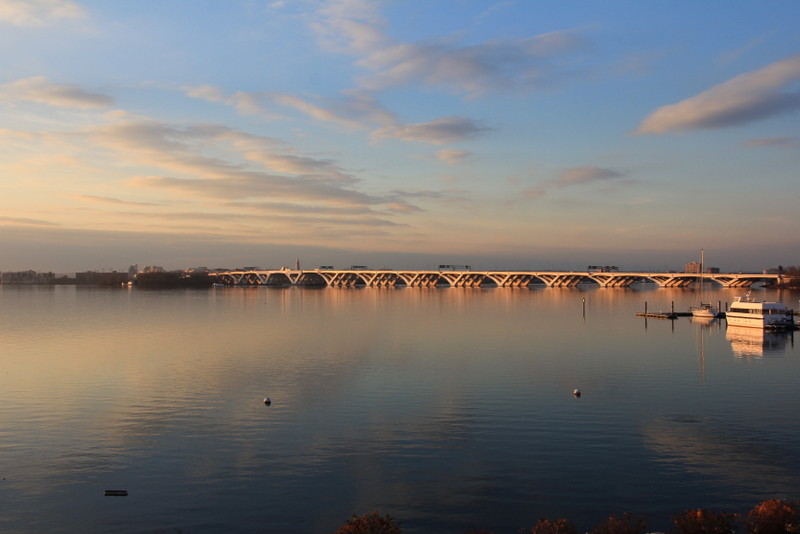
(746, 98)
(38, 12)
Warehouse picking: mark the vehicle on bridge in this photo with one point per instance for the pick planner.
(602, 268)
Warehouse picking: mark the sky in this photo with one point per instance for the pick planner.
(512, 134)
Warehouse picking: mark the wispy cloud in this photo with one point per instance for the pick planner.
(493, 9)
(279, 177)
(494, 66)
(109, 200)
(746, 98)
(437, 132)
(254, 185)
(353, 109)
(316, 111)
(295, 209)
(453, 156)
(440, 197)
(750, 45)
(39, 12)
(350, 26)
(299, 165)
(196, 219)
(778, 142)
(575, 176)
(25, 221)
(245, 103)
(41, 91)
(585, 175)
(499, 65)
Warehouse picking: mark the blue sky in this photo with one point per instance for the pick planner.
(510, 134)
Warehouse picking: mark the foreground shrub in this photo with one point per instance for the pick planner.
(547, 526)
(704, 522)
(774, 516)
(625, 524)
(373, 523)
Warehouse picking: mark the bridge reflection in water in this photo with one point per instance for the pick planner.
(469, 278)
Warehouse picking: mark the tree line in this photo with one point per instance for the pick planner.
(791, 277)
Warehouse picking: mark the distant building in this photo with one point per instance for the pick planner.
(696, 266)
(27, 278)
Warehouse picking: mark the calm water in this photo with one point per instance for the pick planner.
(446, 408)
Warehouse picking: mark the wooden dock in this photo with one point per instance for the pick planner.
(671, 314)
(658, 315)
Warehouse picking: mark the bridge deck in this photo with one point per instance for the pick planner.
(469, 278)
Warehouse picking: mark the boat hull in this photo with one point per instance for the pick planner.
(704, 312)
(759, 321)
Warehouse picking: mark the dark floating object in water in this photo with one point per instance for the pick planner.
(267, 401)
(576, 392)
(115, 493)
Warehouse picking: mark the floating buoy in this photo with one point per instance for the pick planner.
(115, 493)
(267, 401)
(576, 392)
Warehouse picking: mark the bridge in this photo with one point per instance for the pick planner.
(363, 277)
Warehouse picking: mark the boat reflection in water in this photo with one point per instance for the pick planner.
(756, 342)
(705, 321)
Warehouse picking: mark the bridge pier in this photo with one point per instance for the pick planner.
(672, 280)
(562, 279)
(731, 282)
(608, 280)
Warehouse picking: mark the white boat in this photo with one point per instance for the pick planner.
(704, 310)
(746, 311)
